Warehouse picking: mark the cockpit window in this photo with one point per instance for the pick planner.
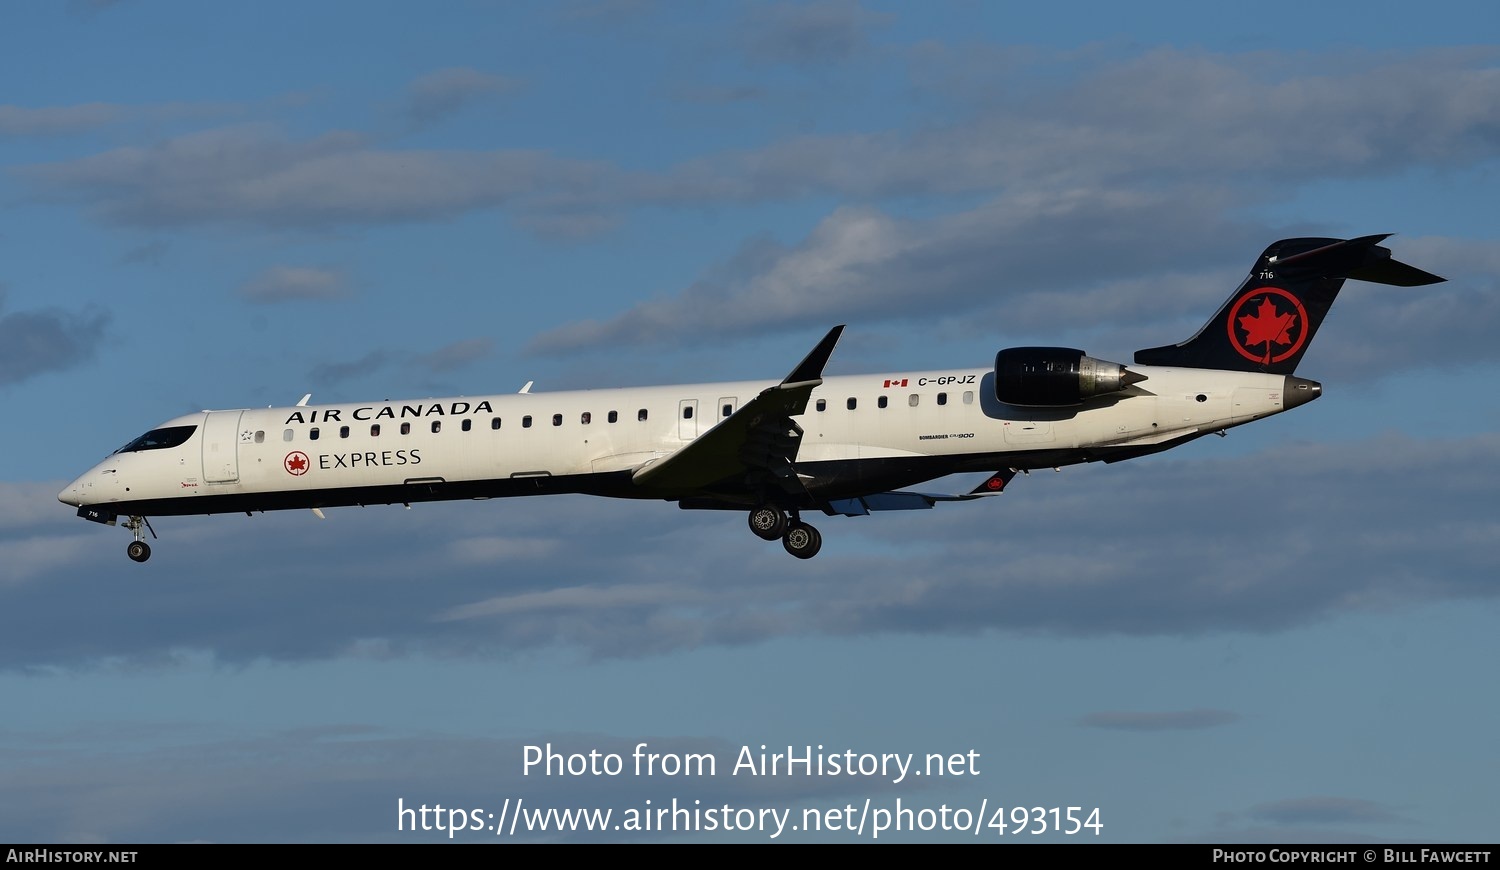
(159, 439)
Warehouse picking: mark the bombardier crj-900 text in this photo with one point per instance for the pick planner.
(777, 451)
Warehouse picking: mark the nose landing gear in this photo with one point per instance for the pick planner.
(798, 538)
(138, 550)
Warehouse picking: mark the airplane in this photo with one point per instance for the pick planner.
(841, 445)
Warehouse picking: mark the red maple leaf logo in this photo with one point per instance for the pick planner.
(1267, 326)
(296, 463)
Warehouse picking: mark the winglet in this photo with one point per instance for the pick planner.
(995, 483)
(303, 402)
(810, 370)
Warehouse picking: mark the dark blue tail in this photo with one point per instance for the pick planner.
(1270, 320)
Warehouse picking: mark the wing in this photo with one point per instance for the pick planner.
(753, 447)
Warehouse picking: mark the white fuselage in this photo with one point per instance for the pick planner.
(920, 424)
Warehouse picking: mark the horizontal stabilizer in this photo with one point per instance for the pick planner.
(1395, 273)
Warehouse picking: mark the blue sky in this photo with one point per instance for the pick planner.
(1283, 635)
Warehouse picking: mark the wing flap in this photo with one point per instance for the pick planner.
(902, 500)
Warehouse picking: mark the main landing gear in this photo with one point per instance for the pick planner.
(138, 550)
(800, 539)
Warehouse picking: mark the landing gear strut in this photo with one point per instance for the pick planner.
(800, 539)
(138, 550)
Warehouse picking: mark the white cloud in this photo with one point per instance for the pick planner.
(445, 92)
(293, 283)
(1191, 545)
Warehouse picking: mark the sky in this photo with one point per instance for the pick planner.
(1284, 635)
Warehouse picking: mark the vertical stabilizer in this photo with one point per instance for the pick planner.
(1268, 323)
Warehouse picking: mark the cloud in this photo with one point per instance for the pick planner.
(332, 373)
(86, 117)
(1123, 270)
(720, 95)
(603, 12)
(573, 598)
(294, 283)
(150, 253)
(1168, 117)
(46, 340)
(456, 355)
(862, 265)
(1323, 811)
(57, 120)
(1178, 720)
(447, 358)
(822, 31)
(165, 782)
(254, 175)
(1262, 542)
(1166, 124)
(445, 92)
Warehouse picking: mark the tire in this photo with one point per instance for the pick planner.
(768, 523)
(138, 551)
(802, 540)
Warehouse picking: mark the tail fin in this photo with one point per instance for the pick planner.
(1270, 320)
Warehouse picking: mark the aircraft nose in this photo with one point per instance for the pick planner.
(70, 495)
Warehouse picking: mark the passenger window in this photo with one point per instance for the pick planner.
(687, 412)
(586, 419)
(968, 397)
(494, 422)
(466, 425)
(526, 422)
(437, 426)
(312, 434)
(286, 435)
(883, 401)
(822, 405)
(851, 403)
(640, 415)
(405, 428)
(374, 430)
(614, 416)
(343, 431)
(942, 398)
(557, 419)
(260, 436)
(728, 410)
(913, 399)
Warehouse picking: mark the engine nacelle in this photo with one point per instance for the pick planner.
(1052, 377)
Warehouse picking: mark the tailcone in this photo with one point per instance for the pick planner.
(1299, 391)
